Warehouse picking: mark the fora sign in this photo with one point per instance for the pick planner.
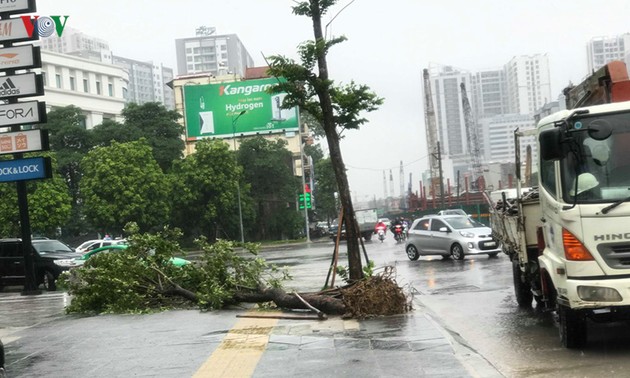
(22, 113)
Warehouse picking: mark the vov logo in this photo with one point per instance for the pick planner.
(44, 26)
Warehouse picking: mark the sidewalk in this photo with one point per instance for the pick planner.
(39, 337)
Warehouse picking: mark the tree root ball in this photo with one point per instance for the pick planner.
(373, 296)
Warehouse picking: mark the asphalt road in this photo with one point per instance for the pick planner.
(479, 329)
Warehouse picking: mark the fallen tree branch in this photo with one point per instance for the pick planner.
(320, 314)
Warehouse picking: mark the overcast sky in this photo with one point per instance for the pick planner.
(389, 43)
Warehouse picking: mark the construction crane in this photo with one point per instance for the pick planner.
(432, 140)
(473, 140)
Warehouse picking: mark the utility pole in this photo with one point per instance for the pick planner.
(238, 184)
(439, 158)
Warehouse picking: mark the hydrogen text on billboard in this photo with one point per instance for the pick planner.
(44, 26)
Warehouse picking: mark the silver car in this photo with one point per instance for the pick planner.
(450, 235)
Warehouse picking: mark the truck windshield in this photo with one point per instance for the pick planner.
(602, 167)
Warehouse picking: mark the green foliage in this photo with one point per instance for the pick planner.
(368, 271)
(205, 183)
(161, 129)
(325, 188)
(111, 131)
(127, 281)
(267, 167)
(48, 201)
(70, 141)
(140, 279)
(123, 183)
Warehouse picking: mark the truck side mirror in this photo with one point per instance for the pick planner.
(552, 144)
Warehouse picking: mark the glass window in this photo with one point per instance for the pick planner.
(422, 225)
(98, 87)
(548, 177)
(72, 84)
(597, 170)
(110, 88)
(58, 80)
(436, 224)
(86, 86)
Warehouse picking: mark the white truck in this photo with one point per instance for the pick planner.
(366, 220)
(569, 237)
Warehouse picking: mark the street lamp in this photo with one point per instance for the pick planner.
(238, 185)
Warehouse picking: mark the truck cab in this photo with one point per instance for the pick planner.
(568, 239)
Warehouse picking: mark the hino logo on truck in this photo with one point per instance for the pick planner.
(608, 237)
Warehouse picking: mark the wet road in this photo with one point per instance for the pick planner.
(474, 299)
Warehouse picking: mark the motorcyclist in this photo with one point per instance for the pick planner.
(396, 222)
(405, 224)
(380, 226)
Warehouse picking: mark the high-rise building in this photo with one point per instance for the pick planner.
(498, 132)
(211, 53)
(72, 40)
(528, 83)
(147, 80)
(449, 114)
(500, 99)
(602, 50)
(489, 93)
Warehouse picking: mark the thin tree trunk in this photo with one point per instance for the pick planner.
(354, 254)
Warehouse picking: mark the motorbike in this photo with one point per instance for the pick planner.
(381, 234)
(399, 234)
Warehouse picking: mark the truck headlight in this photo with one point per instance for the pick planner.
(598, 294)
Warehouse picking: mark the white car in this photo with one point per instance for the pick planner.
(98, 243)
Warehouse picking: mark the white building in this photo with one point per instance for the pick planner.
(99, 89)
(528, 83)
(72, 40)
(489, 93)
(602, 50)
(449, 113)
(498, 132)
(147, 80)
(213, 54)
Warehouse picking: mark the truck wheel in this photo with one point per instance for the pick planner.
(457, 252)
(412, 252)
(367, 236)
(522, 290)
(572, 326)
(49, 282)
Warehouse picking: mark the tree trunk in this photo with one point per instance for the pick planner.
(354, 253)
(324, 303)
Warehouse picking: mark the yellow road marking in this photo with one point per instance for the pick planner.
(241, 349)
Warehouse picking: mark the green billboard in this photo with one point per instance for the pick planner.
(240, 107)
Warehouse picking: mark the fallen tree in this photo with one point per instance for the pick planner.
(142, 279)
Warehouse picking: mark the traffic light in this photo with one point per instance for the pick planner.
(301, 200)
